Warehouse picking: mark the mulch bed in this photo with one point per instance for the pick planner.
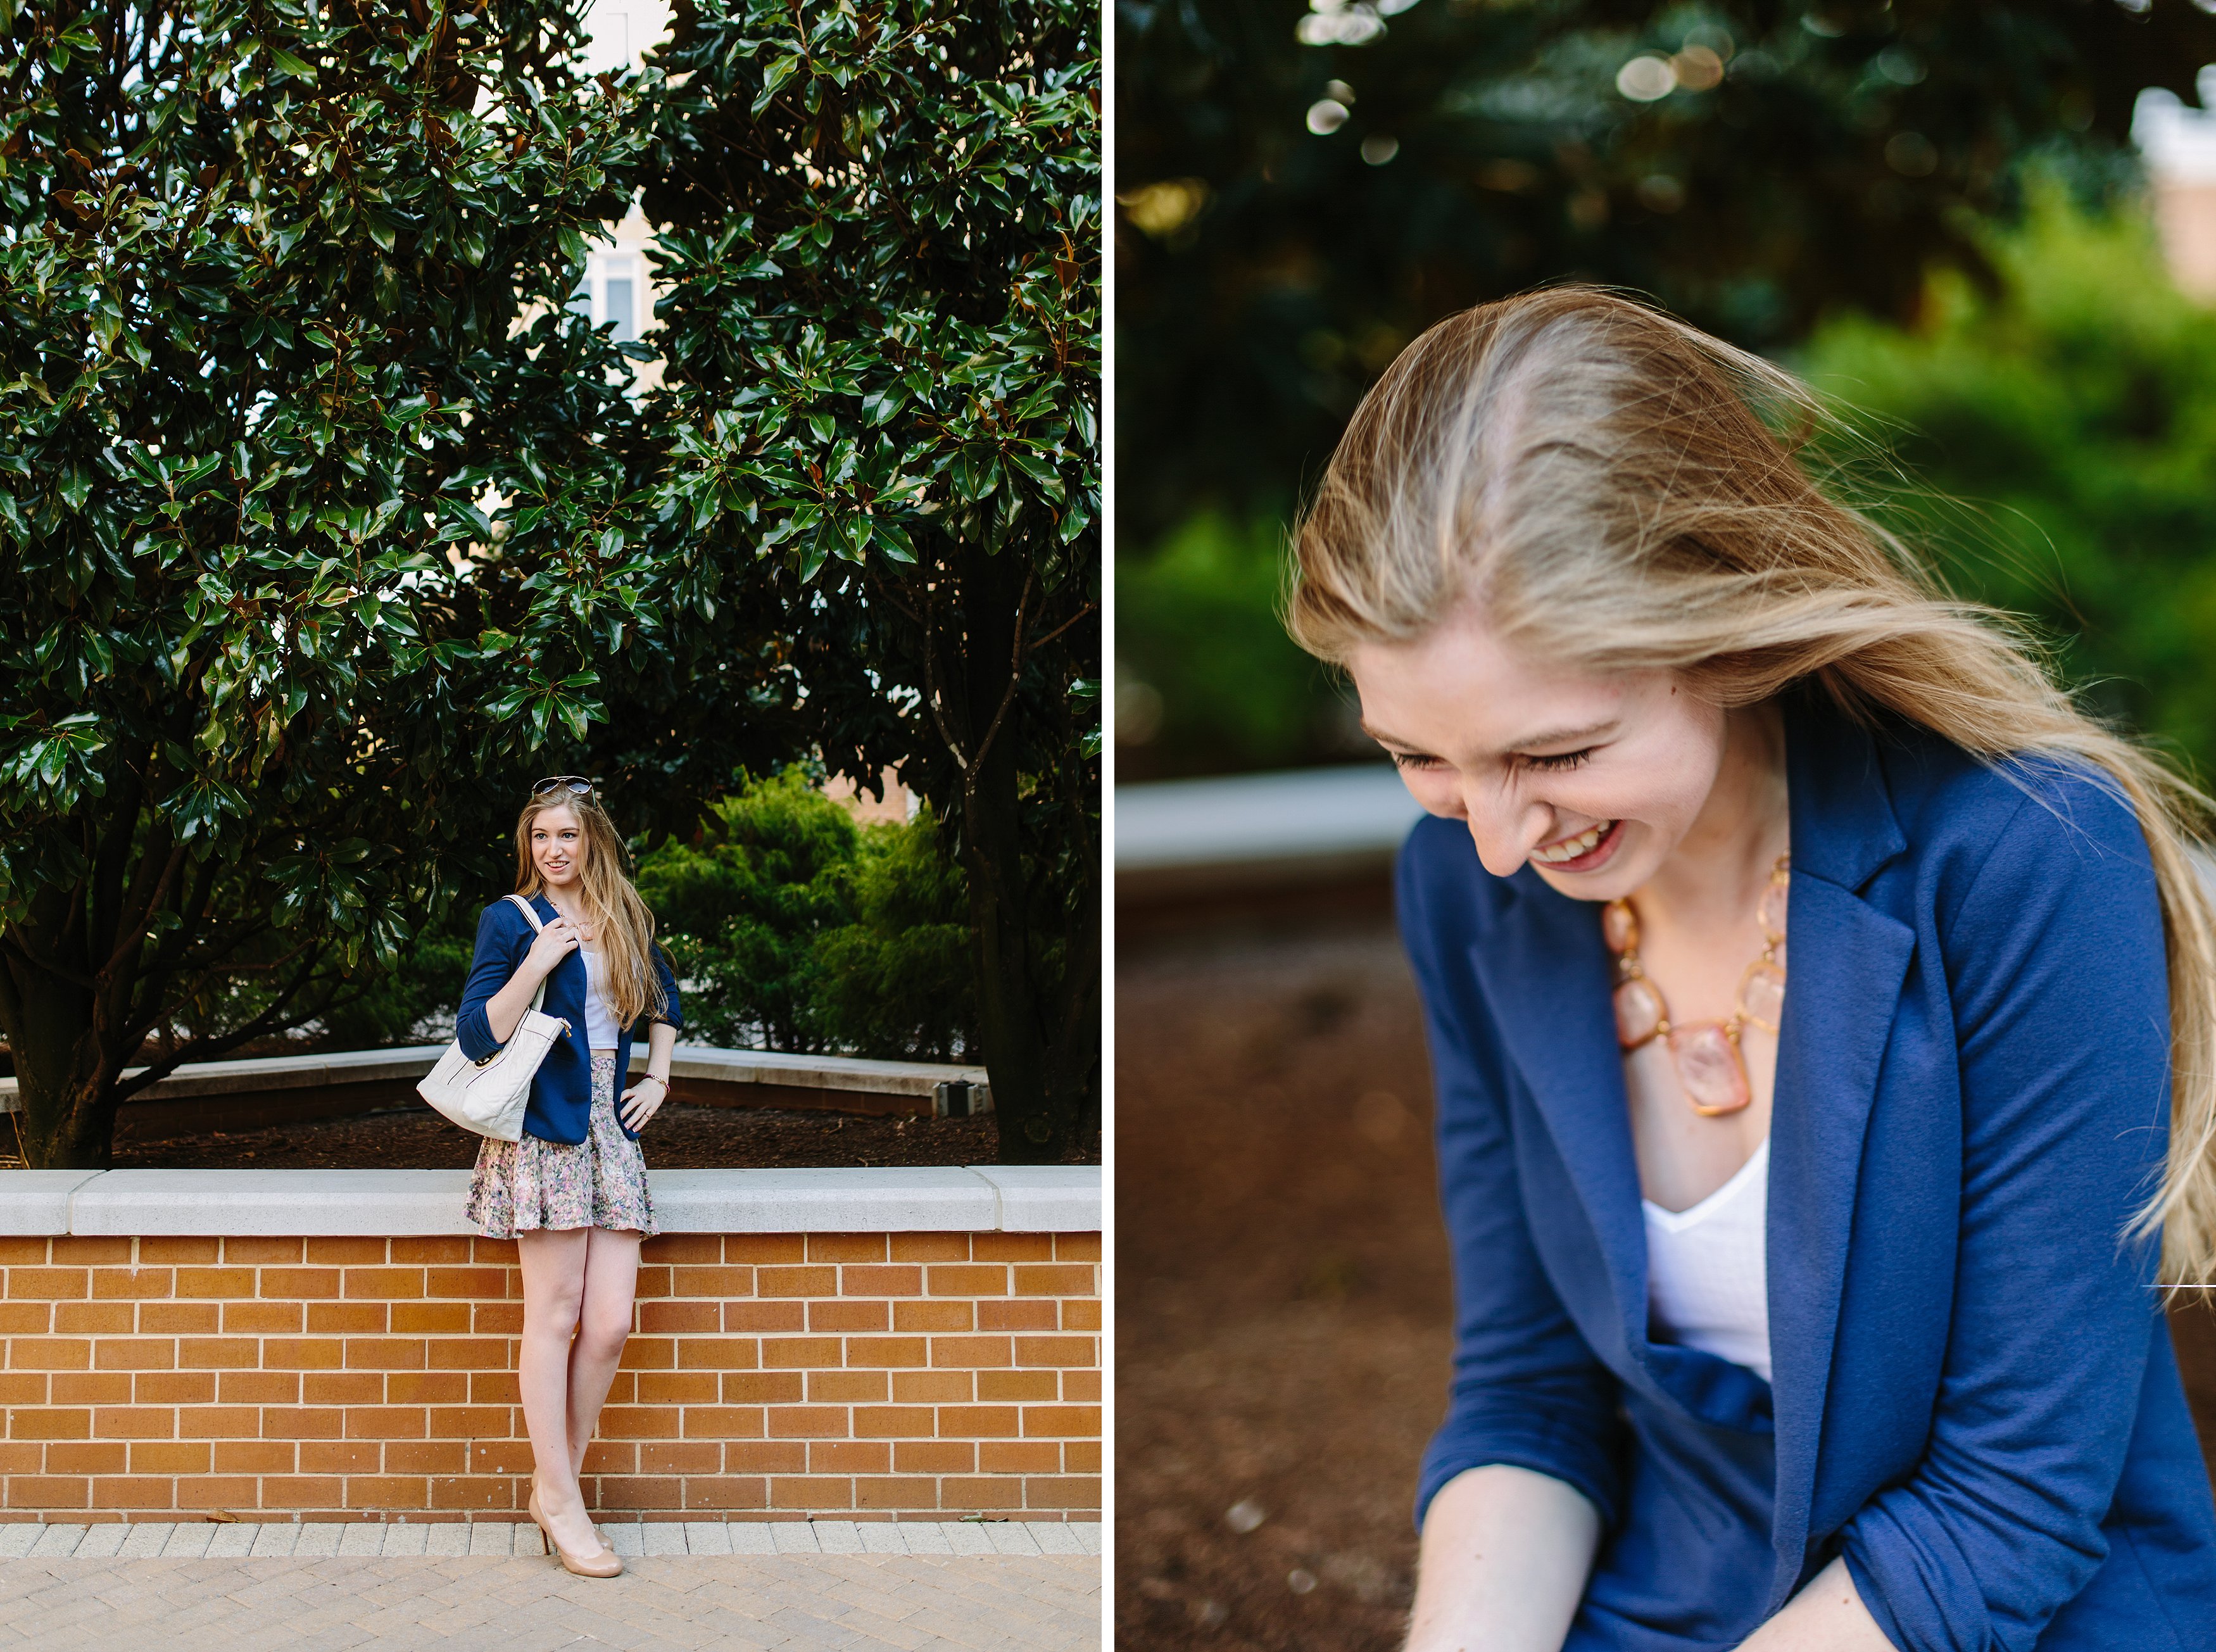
(1283, 1303)
(679, 1137)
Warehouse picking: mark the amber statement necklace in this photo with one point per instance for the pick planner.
(1709, 1064)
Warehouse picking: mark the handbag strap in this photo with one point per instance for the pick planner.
(537, 998)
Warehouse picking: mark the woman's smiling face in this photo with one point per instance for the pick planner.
(1594, 779)
(558, 845)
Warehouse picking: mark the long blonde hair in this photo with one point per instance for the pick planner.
(1617, 488)
(623, 927)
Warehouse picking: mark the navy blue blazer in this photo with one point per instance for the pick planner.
(561, 1089)
(1975, 1398)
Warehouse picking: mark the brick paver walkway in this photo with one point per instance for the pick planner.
(921, 1587)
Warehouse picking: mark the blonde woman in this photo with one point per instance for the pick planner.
(1806, 1295)
(572, 1193)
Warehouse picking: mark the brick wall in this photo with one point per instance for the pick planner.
(922, 1375)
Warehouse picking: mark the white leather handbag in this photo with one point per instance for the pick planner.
(489, 1096)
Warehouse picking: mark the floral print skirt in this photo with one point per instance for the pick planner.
(600, 1182)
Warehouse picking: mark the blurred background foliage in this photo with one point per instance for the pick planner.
(1932, 208)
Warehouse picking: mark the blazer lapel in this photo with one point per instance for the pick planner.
(1546, 972)
(1846, 961)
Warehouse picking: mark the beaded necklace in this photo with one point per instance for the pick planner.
(1707, 1053)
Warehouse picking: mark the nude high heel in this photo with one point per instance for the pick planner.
(606, 1564)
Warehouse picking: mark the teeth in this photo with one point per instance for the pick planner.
(1571, 847)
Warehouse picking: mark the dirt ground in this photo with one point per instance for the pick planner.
(678, 1138)
(1283, 1295)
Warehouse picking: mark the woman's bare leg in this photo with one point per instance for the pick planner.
(554, 1264)
(603, 1326)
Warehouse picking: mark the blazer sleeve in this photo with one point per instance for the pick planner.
(1526, 1389)
(492, 965)
(672, 1012)
(2055, 961)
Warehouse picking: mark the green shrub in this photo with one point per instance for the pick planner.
(2067, 428)
(1207, 680)
(793, 928)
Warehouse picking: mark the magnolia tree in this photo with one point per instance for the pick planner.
(283, 289)
(883, 375)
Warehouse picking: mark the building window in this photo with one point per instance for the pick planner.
(611, 293)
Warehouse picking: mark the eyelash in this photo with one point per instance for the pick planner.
(1559, 760)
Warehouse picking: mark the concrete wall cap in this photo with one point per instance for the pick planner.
(975, 1198)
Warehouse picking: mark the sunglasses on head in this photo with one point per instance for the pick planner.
(578, 785)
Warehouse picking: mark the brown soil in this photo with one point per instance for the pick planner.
(1283, 1300)
(678, 1138)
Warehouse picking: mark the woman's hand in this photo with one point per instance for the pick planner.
(642, 1101)
(555, 942)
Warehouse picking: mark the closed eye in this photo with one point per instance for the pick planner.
(1413, 759)
(1558, 761)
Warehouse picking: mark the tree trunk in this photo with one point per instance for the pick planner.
(63, 1086)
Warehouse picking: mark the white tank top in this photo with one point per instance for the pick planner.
(600, 1030)
(1707, 1269)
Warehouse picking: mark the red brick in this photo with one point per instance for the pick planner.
(884, 1351)
(944, 1314)
(846, 1248)
(384, 1353)
(1055, 1279)
(935, 1457)
(669, 1248)
(134, 1492)
(471, 1421)
(851, 1456)
(95, 1319)
(302, 1422)
(51, 1422)
(48, 1491)
(430, 1318)
(1081, 1456)
(1018, 1385)
(480, 1491)
(976, 1351)
(248, 1251)
(732, 1281)
(30, 1387)
(385, 1422)
(786, 1352)
(23, 1252)
(966, 1279)
(1082, 1313)
(1020, 1456)
(725, 1495)
(343, 1387)
(839, 1314)
(299, 1284)
(174, 1388)
(426, 1456)
(979, 1422)
(263, 1318)
(717, 1354)
(87, 1457)
(220, 1422)
(1082, 1385)
(91, 1387)
(134, 1353)
(347, 1318)
(808, 1422)
(678, 1388)
(1059, 1419)
(1018, 1314)
(813, 1492)
(492, 1252)
(446, 1252)
(640, 1423)
(849, 1387)
(388, 1491)
(215, 1281)
(255, 1456)
(751, 1315)
(1077, 1246)
(678, 1318)
(427, 1388)
(470, 1353)
(1011, 1246)
(677, 1456)
(930, 1246)
(762, 1248)
(724, 1422)
(1068, 1491)
(138, 1283)
(486, 1283)
(180, 1318)
(1080, 1351)
(302, 1491)
(893, 1491)
(219, 1352)
(347, 1252)
(984, 1492)
(795, 1281)
(762, 1387)
(765, 1457)
(342, 1456)
(26, 1318)
(134, 1422)
(219, 1491)
(83, 1252)
(302, 1354)
(642, 1491)
(258, 1387)
(900, 1422)
(934, 1387)
(890, 1281)
(169, 1457)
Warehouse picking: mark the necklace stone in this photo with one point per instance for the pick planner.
(1710, 1066)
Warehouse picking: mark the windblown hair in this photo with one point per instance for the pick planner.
(623, 927)
(1613, 487)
